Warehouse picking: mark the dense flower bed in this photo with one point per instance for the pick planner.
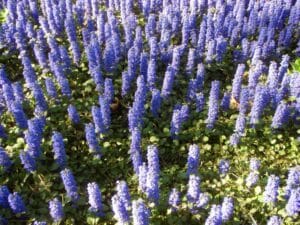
(149, 112)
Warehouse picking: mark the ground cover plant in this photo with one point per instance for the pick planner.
(149, 112)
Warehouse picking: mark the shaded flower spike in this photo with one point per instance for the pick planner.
(281, 115)
(73, 114)
(56, 210)
(213, 104)
(16, 203)
(91, 138)
(59, 149)
(4, 193)
(70, 184)
(28, 161)
(293, 205)
(193, 188)
(5, 161)
(271, 189)
(95, 198)
(174, 199)
(215, 216)
(140, 213)
(274, 220)
(227, 208)
(193, 159)
(123, 193)
(119, 209)
(223, 167)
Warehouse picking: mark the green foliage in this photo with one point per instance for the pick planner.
(296, 66)
(3, 15)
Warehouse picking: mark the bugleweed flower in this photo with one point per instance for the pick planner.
(152, 190)
(193, 188)
(283, 67)
(105, 111)
(155, 102)
(97, 118)
(211, 50)
(254, 164)
(64, 58)
(119, 209)
(272, 80)
(109, 90)
(274, 220)
(18, 91)
(50, 87)
(38, 95)
(190, 62)
(123, 193)
(19, 114)
(154, 51)
(221, 47)
(200, 102)
(293, 180)
(109, 56)
(40, 223)
(191, 91)
(137, 110)
(73, 114)
(135, 149)
(132, 62)
(193, 159)
(2, 132)
(213, 104)
(8, 95)
(4, 193)
(126, 81)
(140, 213)
(261, 100)
(235, 139)
(151, 73)
(70, 184)
(91, 138)
(271, 189)
(168, 82)
(225, 103)
(215, 216)
(202, 200)
(144, 64)
(33, 137)
(95, 198)
(174, 199)
(200, 76)
(293, 205)
(16, 203)
(281, 115)
(237, 81)
(240, 124)
(227, 208)
(28, 161)
(180, 115)
(28, 72)
(254, 75)
(5, 162)
(244, 97)
(59, 149)
(72, 38)
(143, 171)
(56, 210)
(223, 167)
(176, 58)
